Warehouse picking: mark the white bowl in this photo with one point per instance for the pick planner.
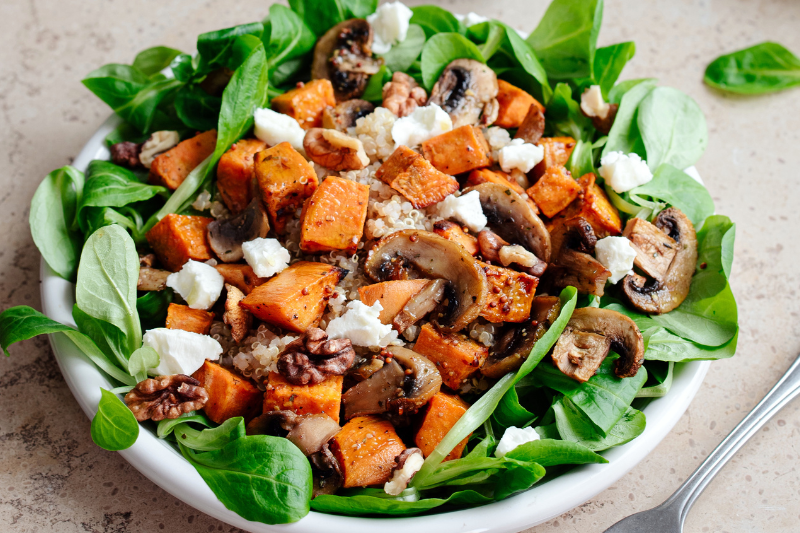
(165, 467)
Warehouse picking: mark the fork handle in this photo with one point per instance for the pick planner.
(782, 393)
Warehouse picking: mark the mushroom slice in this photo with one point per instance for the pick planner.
(152, 279)
(422, 381)
(344, 56)
(588, 337)
(238, 318)
(432, 256)
(490, 244)
(573, 240)
(308, 432)
(334, 150)
(327, 472)
(576, 234)
(654, 296)
(346, 114)
(655, 250)
(420, 304)
(372, 395)
(464, 89)
(532, 127)
(226, 236)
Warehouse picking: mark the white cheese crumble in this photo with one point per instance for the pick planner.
(465, 209)
(362, 326)
(274, 128)
(617, 255)
(400, 478)
(266, 256)
(197, 283)
(521, 155)
(471, 19)
(514, 437)
(389, 25)
(592, 103)
(181, 352)
(624, 172)
(423, 124)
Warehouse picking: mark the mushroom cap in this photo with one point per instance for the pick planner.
(226, 236)
(420, 385)
(372, 395)
(308, 432)
(464, 89)
(573, 241)
(345, 114)
(344, 56)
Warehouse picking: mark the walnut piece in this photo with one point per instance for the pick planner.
(402, 95)
(126, 154)
(311, 358)
(238, 318)
(165, 397)
(158, 143)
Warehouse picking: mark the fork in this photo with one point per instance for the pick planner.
(670, 515)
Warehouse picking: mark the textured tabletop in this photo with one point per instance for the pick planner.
(54, 479)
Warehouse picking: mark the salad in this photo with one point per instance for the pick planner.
(373, 260)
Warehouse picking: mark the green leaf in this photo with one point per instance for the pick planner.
(219, 48)
(359, 8)
(618, 91)
(154, 60)
(581, 160)
(715, 242)
(374, 90)
(440, 50)
(142, 360)
(319, 15)
(564, 115)
(402, 55)
(165, 427)
(152, 308)
(108, 338)
(764, 68)
(509, 411)
(660, 389)
(609, 62)
(434, 19)
(678, 189)
(551, 452)
(361, 504)
(114, 427)
(196, 108)
(209, 439)
(286, 38)
(624, 135)
(572, 426)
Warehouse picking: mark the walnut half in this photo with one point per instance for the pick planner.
(165, 397)
(311, 358)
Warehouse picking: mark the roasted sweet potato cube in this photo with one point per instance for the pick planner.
(306, 102)
(365, 449)
(596, 208)
(554, 191)
(324, 397)
(453, 232)
(178, 238)
(556, 152)
(171, 168)
(415, 178)
(655, 250)
(442, 413)
(455, 355)
(240, 276)
(235, 173)
(514, 105)
(484, 175)
(393, 296)
(295, 298)
(510, 294)
(333, 218)
(458, 151)
(285, 180)
(229, 395)
(188, 319)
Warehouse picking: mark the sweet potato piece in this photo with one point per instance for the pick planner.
(285, 179)
(333, 218)
(556, 152)
(455, 355)
(458, 151)
(324, 397)
(453, 232)
(415, 178)
(295, 299)
(229, 395)
(365, 449)
(178, 238)
(596, 208)
(235, 173)
(306, 102)
(484, 175)
(240, 276)
(171, 168)
(188, 319)
(442, 413)
(554, 191)
(393, 296)
(510, 294)
(514, 105)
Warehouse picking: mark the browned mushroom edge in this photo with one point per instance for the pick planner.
(225, 237)
(345, 114)
(334, 150)
(344, 56)
(573, 242)
(467, 91)
(308, 432)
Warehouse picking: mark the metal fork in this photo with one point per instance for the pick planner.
(670, 515)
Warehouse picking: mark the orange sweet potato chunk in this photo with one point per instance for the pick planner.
(414, 177)
(453, 232)
(556, 152)
(324, 397)
(178, 238)
(171, 168)
(333, 218)
(229, 395)
(296, 298)
(188, 319)
(442, 413)
(285, 180)
(455, 355)
(554, 191)
(458, 151)
(514, 105)
(393, 296)
(365, 448)
(510, 294)
(596, 208)
(306, 102)
(240, 276)
(235, 173)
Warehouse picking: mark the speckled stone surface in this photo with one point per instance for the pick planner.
(53, 479)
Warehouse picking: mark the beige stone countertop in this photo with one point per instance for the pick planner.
(54, 479)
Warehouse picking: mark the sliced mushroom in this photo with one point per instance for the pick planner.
(655, 250)
(532, 127)
(574, 234)
(326, 471)
(372, 395)
(422, 380)
(573, 241)
(344, 56)
(420, 305)
(588, 337)
(238, 318)
(226, 236)
(152, 279)
(396, 256)
(654, 296)
(335, 150)
(345, 114)
(466, 90)
(307, 432)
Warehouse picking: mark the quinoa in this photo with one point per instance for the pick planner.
(375, 133)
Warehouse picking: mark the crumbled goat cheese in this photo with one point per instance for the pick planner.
(592, 102)
(514, 437)
(266, 256)
(181, 352)
(197, 283)
(158, 143)
(694, 174)
(362, 326)
(400, 478)
(624, 172)
(521, 155)
(424, 123)
(389, 26)
(274, 128)
(471, 19)
(465, 208)
(617, 255)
